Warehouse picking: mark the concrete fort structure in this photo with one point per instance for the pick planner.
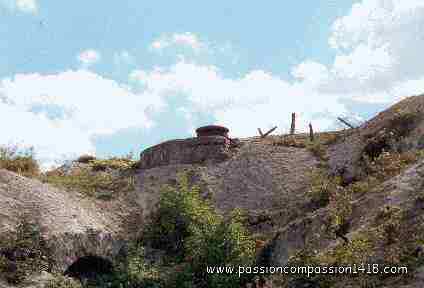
(211, 145)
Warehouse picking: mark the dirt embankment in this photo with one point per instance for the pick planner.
(66, 220)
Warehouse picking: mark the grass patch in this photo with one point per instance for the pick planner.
(302, 140)
(114, 163)
(99, 185)
(317, 149)
(19, 161)
(297, 141)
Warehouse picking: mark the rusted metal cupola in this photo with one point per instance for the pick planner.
(212, 130)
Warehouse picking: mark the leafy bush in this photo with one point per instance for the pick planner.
(357, 251)
(317, 149)
(227, 245)
(322, 186)
(389, 218)
(340, 205)
(362, 187)
(135, 272)
(403, 122)
(20, 161)
(23, 253)
(188, 227)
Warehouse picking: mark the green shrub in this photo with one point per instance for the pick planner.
(403, 122)
(135, 272)
(362, 187)
(340, 205)
(322, 186)
(357, 251)
(21, 162)
(389, 218)
(227, 245)
(23, 253)
(317, 149)
(188, 227)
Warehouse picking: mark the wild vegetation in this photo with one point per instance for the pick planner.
(394, 236)
(18, 160)
(188, 228)
(99, 178)
(23, 252)
(189, 235)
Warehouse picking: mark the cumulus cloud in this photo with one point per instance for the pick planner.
(186, 40)
(59, 114)
(233, 102)
(25, 6)
(378, 44)
(89, 57)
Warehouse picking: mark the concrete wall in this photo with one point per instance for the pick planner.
(199, 150)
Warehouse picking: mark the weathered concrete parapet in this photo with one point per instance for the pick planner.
(67, 248)
(212, 130)
(205, 149)
(210, 146)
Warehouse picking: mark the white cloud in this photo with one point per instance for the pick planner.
(29, 6)
(379, 44)
(59, 114)
(25, 6)
(187, 40)
(258, 99)
(89, 57)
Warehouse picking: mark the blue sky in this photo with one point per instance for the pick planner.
(110, 77)
(274, 36)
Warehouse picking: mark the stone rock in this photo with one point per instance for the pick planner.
(70, 225)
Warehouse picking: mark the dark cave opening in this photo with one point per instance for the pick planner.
(90, 268)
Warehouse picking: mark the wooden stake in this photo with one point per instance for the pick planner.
(311, 132)
(269, 132)
(260, 132)
(293, 124)
(345, 122)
